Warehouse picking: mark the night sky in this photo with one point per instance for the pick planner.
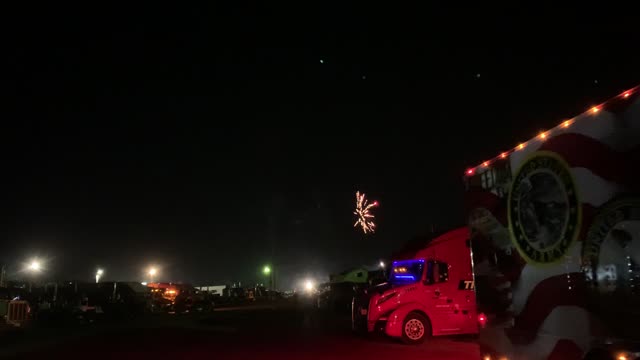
(210, 141)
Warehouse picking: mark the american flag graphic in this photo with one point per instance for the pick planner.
(556, 234)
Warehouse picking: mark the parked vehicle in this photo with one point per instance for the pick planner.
(430, 294)
(337, 296)
(555, 225)
(193, 300)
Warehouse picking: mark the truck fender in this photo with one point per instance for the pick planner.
(396, 318)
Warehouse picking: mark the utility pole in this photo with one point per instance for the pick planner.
(2, 275)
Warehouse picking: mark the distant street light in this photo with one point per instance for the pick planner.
(98, 275)
(152, 272)
(34, 266)
(309, 285)
(268, 273)
(382, 267)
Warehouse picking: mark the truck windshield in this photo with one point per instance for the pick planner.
(406, 271)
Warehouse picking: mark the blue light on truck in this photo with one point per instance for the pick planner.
(407, 261)
(410, 277)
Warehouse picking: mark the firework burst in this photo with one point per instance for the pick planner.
(364, 217)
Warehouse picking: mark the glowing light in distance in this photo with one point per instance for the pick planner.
(153, 271)
(521, 146)
(266, 270)
(99, 273)
(35, 266)
(382, 265)
(626, 94)
(543, 135)
(470, 172)
(485, 164)
(503, 155)
(309, 285)
(595, 109)
(566, 124)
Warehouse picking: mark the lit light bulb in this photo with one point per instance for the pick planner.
(34, 266)
(309, 285)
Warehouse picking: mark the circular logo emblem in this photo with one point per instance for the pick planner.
(610, 251)
(544, 212)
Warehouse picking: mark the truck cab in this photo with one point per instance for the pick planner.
(430, 294)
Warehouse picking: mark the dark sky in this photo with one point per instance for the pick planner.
(212, 140)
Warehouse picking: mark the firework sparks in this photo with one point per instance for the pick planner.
(365, 218)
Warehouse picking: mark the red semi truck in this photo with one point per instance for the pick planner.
(428, 294)
(555, 233)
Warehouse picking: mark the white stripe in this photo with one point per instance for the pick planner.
(592, 189)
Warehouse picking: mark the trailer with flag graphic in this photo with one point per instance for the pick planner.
(555, 233)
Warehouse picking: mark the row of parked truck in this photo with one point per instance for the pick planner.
(548, 264)
(76, 301)
(72, 301)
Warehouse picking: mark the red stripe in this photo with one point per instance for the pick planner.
(582, 151)
(565, 350)
(479, 198)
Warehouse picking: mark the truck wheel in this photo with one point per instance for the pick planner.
(415, 329)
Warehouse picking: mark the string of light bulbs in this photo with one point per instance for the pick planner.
(545, 134)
